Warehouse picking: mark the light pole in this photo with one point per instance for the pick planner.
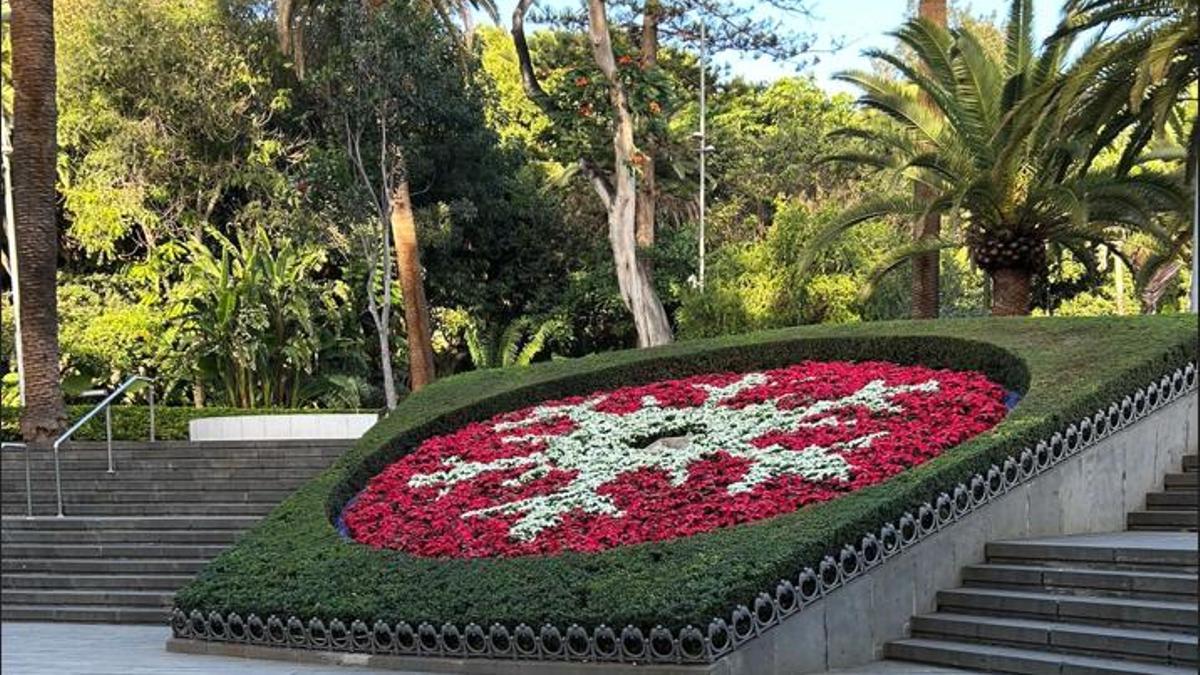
(1195, 294)
(10, 233)
(704, 149)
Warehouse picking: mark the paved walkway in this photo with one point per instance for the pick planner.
(101, 649)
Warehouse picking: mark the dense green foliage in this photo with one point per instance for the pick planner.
(189, 132)
(296, 563)
(986, 135)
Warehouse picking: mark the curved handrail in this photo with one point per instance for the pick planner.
(105, 406)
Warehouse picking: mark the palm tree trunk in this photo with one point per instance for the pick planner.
(33, 177)
(649, 317)
(926, 279)
(416, 309)
(1012, 290)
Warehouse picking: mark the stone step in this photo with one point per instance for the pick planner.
(181, 449)
(122, 481)
(1159, 646)
(85, 614)
(206, 509)
(224, 537)
(992, 658)
(330, 443)
(1127, 612)
(142, 582)
(268, 494)
(1124, 550)
(1191, 463)
(122, 598)
(1172, 500)
(1161, 519)
(98, 566)
(1183, 481)
(45, 469)
(1089, 581)
(129, 522)
(111, 551)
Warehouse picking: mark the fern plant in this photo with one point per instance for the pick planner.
(517, 344)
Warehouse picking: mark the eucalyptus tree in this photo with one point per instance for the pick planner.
(993, 156)
(625, 68)
(391, 82)
(35, 121)
(293, 19)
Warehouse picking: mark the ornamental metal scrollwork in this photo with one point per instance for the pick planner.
(605, 644)
(579, 645)
(691, 644)
(662, 645)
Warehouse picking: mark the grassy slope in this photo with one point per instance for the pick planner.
(295, 563)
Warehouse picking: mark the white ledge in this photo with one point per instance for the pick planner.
(315, 426)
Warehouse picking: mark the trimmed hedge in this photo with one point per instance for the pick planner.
(295, 563)
(132, 422)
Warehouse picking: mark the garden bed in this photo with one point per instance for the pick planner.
(297, 563)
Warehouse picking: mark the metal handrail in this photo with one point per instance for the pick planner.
(105, 406)
(28, 479)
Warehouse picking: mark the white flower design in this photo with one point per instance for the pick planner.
(601, 446)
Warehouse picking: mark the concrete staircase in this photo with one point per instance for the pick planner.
(131, 538)
(1124, 602)
(1173, 508)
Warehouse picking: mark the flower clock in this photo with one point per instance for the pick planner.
(668, 459)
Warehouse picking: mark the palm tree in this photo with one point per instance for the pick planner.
(35, 117)
(992, 154)
(1137, 80)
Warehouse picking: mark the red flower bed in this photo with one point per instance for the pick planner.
(668, 459)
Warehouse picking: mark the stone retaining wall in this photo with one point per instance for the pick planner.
(1091, 492)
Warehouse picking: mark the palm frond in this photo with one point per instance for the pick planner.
(1018, 43)
(901, 206)
(897, 257)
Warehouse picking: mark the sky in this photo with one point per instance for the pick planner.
(858, 23)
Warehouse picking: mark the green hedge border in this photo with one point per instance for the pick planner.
(132, 422)
(294, 563)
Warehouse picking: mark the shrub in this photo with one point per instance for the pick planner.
(295, 562)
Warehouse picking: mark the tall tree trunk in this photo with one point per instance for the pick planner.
(1119, 278)
(1012, 291)
(416, 310)
(926, 280)
(284, 11)
(34, 149)
(637, 292)
(926, 272)
(647, 193)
